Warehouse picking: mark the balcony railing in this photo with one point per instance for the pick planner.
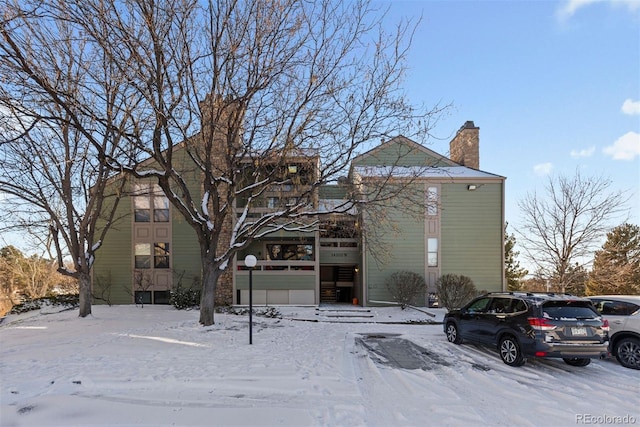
(268, 267)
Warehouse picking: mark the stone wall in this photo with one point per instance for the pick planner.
(464, 148)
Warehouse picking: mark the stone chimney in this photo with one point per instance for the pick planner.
(464, 148)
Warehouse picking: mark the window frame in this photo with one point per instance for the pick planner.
(161, 255)
(142, 261)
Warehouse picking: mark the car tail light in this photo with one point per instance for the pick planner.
(541, 324)
(605, 325)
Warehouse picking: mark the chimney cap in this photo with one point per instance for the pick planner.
(468, 125)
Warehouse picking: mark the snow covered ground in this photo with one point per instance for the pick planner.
(157, 366)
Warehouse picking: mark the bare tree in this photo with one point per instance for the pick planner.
(244, 97)
(53, 153)
(29, 277)
(562, 228)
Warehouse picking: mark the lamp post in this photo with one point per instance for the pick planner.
(250, 261)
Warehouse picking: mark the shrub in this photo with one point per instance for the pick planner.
(406, 287)
(65, 301)
(271, 312)
(184, 298)
(454, 291)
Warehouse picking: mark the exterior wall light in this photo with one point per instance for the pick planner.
(293, 169)
(472, 187)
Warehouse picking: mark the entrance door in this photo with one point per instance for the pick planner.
(336, 283)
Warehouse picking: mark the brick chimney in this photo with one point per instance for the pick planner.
(464, 148)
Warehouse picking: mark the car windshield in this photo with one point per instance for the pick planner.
(568, 310)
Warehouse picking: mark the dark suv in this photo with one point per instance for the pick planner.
(525, 325)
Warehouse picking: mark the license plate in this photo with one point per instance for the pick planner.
(579, 332)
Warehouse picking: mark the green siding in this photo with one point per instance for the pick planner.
(114, 260)
(471, 227)
(276, 281)
(471, 241)
(402, 152)
(403, 250)
(186, 252)
(332, 192)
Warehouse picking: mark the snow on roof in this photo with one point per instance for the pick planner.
(422, 172)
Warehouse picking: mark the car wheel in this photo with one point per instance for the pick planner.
(577, 361)
(452, 333)
(628, 352)
(510, 352)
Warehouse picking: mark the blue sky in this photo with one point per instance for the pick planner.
(553, 85)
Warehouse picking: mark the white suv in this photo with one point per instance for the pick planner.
(623, 314)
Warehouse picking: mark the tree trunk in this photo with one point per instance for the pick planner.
(210, 275)
(84, 280)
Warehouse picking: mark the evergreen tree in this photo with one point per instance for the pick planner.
(512, 270)
(616, 267)
(577, 279)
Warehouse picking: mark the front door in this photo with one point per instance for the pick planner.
(337, 283)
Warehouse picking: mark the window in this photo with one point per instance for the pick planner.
(519, 305)
(432, 201)
(432, 252)
(161, 255)
(479, 306)
(500, 305)
(615, 308)
(160, 208)
(143, 297)
(290, 252)
(144, 201)
(273, 202)
(274, 252)
(161, 297)
(568, 309)
(143, 255)
(142, 208)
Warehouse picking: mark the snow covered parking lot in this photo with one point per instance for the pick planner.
(156, 366)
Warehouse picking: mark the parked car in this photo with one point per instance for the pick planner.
(524, 325)
(623, 314)
(433, 300)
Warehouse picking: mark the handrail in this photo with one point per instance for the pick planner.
(266, 265)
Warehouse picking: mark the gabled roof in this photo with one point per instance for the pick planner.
(402, 151)
(453, 172)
